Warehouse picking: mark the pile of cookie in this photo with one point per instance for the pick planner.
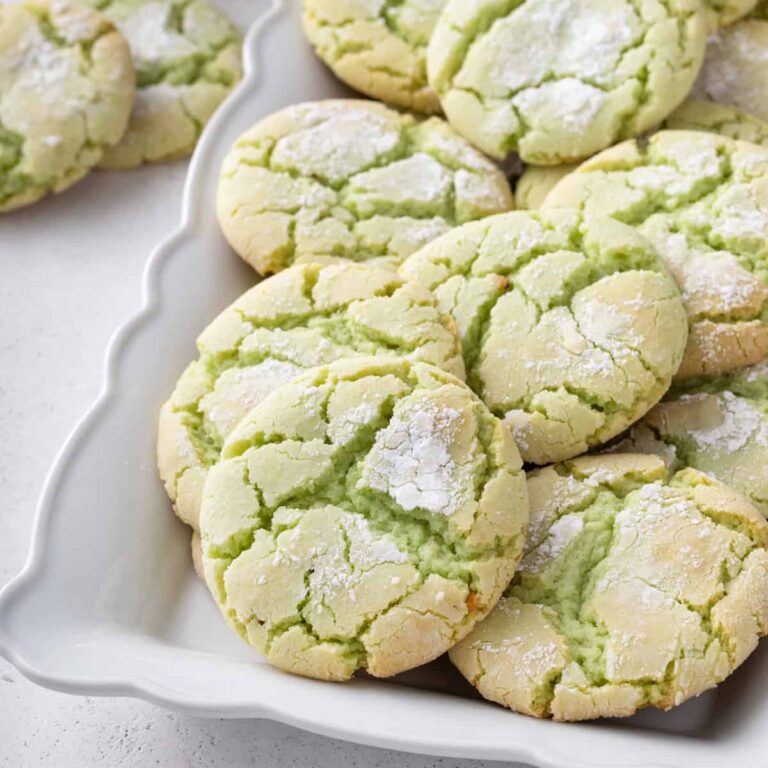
(105, 83)
(536, 440)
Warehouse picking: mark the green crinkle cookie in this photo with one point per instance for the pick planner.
(695, 115)
(636, 589)
(187, 59)
(718, 425)
(350, 179)
(702, 200)
(558, 80)
(735, 70)
(378, 48)
(308, 315)
(66, 89)
(571, 327)
(364, 516)
(538, 181)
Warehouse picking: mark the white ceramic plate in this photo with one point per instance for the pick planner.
(108, 604)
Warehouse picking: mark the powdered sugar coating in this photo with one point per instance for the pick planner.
(559, 80)
(719, 426)
(324, 558)
(66, 89)
(702, 200)
(571, 328)
(649, 589)
(187, 59)
(411, 461)
(353, 180)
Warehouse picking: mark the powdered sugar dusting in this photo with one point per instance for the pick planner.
(412, 462)
(740, 423)
(238, 390)
(569, 102)
(561, 534)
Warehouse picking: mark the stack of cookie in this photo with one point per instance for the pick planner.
(351, 445)
(107, 83)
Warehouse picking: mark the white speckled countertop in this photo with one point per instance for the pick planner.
(62, 298)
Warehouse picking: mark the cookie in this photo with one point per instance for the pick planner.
(637, 589)
(536, 182)
(353, 180)
(695, 115)
(702, 200)
(571, 327)
(308, 315)
(725, 12)
(66, 90)
(558, 80)
(364, 516)
(735, 70)
(379, 49)
(187, 59)
(718, 426)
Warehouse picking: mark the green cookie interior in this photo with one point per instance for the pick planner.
(350, 179)
(637, 588)
(718, 425)
(558, 80)
(365, 515)
(571, 328)
(187, 58)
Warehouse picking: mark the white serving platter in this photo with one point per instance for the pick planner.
(108, 604)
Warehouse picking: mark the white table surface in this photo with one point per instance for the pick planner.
(60, 302)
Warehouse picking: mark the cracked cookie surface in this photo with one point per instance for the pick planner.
(305, 316)
(718, 426)
(571, 327)
(735, 70)
(710, 117)
(66, 89)
(187, 58)
(636, 589)
(558, 80)
(537, 181)
(378, 48)
(350, 179)
(702, 200)
(365, 515)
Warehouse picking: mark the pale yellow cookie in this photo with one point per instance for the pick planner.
(364, 516)
(187, 59)
(350, 179)
(702, 200)
(637, 589)
(558, 80)
(571, 327)
(378, 48)
(66, 90)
